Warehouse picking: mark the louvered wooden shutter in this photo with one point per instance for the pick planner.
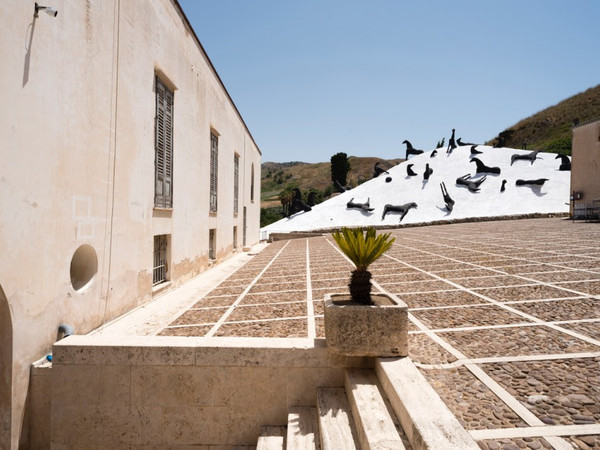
(163, 163)
(236, 182)
(214, 163)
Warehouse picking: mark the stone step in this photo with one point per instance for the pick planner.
(271, 438)
(374, 424)
(303, 428)
(336, 426)
(424, 417)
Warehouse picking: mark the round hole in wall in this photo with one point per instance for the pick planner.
(84, 266)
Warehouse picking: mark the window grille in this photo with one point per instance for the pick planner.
(214, 161)
(235, 237)
(236, 182)
(163, 151)
(159, 272)
(212, 237)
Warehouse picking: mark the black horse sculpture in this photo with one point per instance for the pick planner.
(528, 157)
(473, 186)
(565, 162)
(447, 199)
(474, 151)
(428, 171)
(460, 143)
(297, 203)
(482, 168)
(538, 182)
(339, 186)
(403, 209)
(451, 143)
(364, 206)
(378, 170)
(410, 150)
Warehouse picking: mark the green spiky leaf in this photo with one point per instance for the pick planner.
(362, 247)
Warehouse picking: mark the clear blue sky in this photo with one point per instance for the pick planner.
(315, 77)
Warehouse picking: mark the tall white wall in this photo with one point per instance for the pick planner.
(77, 123)
(585, 163)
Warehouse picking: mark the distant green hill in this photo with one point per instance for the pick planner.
(275, 177)
(550, 129)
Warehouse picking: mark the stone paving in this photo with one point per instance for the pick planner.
(505, 318)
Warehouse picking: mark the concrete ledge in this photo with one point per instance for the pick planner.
(182, 351)
(425, 418)
(273, 237)
(168, 391)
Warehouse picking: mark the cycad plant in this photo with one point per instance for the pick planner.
(362, 248)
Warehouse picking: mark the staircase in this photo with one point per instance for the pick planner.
(389, 407)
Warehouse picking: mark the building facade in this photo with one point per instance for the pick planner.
(585, 171)
(127, 170)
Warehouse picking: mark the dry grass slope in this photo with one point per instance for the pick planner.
(276, 176)
(550, 129)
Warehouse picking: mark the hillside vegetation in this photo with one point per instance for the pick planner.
(550, 129)
(275, 177)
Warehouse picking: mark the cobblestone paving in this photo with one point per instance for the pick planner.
(505, 318)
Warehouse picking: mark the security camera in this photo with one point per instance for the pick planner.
(47, 9)
(51, 12)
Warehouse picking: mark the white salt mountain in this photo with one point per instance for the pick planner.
(489, 201)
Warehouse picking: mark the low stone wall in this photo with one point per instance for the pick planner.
(174, 391)
(39, 404)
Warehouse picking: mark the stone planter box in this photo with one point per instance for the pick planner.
(361, 330)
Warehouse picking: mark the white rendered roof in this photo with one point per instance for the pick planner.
(551, 197)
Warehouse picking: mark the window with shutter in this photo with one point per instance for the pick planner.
(163, 143)
(252, 183)
(214, 162)
(236, 182)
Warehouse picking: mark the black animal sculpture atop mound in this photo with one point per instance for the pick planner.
(502, 188)
(538, 182)
(378, 170)
(565, 162)
(297, 203)
(433, 154)
(311, 200)
(428, 171)
(474, 151)
(364, 206)
(482, 168)
(451, 143)
(529, 157)
(473, 186)
(409, 171)
(460, 143)
(339, 186)
(410, 150)
(447, 199)
(403, 209)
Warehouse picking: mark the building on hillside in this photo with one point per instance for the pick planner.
(585, 171)
(127, 170)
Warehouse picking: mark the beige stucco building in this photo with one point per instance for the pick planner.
(585, 170)
(127, 170)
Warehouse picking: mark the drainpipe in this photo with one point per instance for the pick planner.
(65, 330)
